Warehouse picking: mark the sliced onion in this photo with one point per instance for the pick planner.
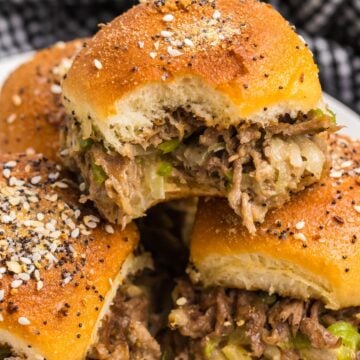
(315, 159)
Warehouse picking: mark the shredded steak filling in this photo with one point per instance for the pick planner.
(262, 324)
(256, 168)
(124, 333)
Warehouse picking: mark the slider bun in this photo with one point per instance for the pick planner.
(320, 260)
(63, 318)
(245, 57)
(31, 111)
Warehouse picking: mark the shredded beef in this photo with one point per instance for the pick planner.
(264, 324)
(317, 334)
(309, 127)
(124, 334)
(287, 311)
(252, 311)
(253, 165)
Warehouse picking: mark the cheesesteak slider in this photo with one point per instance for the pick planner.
(289, 292)
(30, 101)
(182, 98)
(66, 287)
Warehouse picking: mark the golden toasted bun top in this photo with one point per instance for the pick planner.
(30, 102)
(57, 259)
(318, 231)
(244, 49)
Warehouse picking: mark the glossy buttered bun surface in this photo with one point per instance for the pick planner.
(307, 249)
(31, 113)
(224, 60)
(60, 264)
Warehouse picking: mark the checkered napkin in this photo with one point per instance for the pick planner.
(331, 27)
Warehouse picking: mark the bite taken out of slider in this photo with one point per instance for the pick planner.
(189, 98)
(31, 112)
(66, 276)
(289, 292)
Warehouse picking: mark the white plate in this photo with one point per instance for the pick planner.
(345, 116)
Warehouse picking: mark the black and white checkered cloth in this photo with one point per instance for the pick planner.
(331, 27)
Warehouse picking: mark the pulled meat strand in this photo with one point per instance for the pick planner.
(124, 334)
(264, 324)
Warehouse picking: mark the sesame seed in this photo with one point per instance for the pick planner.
(91, 224)
(33, 199)
(10, 164)
(14, 267)
(109, 229)
(188, 42)
(357, 208)
(173, 52)
(6, 173)
(300, 236)
(336, 174)
(166, 34)
(66, 280)
(181, 301)
(300, 225)
(53, 176)
(56, 89)
(16, 99)
(16, 283)
(92, 218)
(25, 260)
(11, 118)
(75, 233)
(168, 18)
(82, 187)
(141, 44)
(37, 275)
(40, 216)
(2, 295)
(35, 180)
(24, 321)
(24, 277)
(52, 197)
(156, 45)
(55, 234)
(153, 54)
(39, 285)
(98, 64)
(346, 164)
(64, 152)
(60, 45)
(216, 15)
(302, 39)
(61, 185)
